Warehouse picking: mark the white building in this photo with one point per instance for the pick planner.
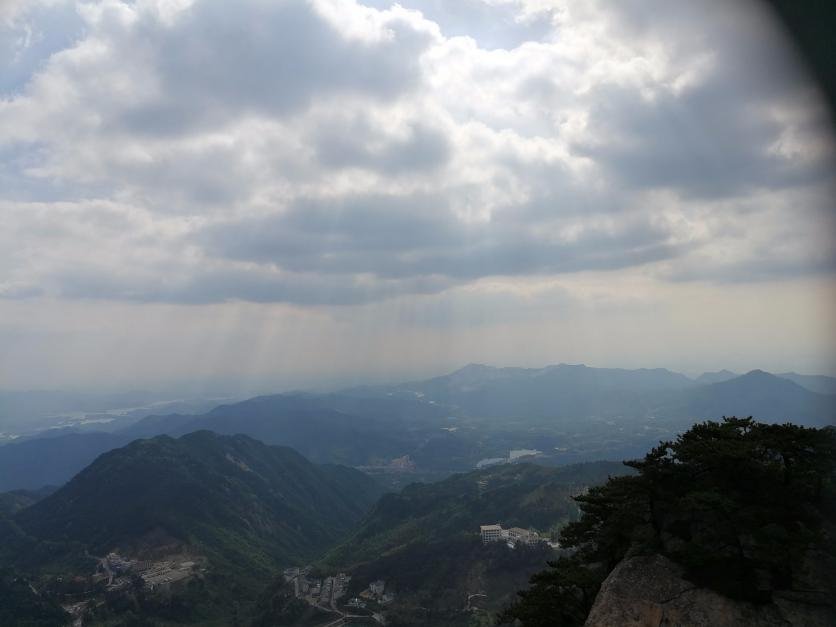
(526, 536)
(490, 533)
(520, 453)
(514, 535)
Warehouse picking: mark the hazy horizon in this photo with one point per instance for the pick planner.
(358, 191)
(229, 388)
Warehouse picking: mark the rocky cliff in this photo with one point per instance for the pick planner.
(650, 591)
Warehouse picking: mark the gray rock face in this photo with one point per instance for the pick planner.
(650, 591)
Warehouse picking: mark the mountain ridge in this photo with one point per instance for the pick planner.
(371, 426)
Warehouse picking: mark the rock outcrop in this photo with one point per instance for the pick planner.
(650, 591)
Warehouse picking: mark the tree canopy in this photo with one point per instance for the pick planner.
(737, 503)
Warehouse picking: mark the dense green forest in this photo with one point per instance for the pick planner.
(424, 541)
(515, 495)
(237, 508)
(22, 607)
(738, 503)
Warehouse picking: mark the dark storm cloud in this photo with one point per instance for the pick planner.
(717, 135)
(694, 142)
(406, 238)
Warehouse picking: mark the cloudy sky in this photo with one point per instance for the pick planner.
(297, 192)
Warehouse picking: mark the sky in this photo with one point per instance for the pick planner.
(299, 193)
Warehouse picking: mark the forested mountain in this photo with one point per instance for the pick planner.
(424, 541)
(233, 496)
(21, 606)
(233, 509)
(517, 495)
(15, 500)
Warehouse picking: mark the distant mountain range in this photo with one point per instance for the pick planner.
(813, 382)
(324, 428)
(52, 460)
(715, 377)
(448, 423)
(576, 392)
(318, 426)
(563, 391)
(768, 397)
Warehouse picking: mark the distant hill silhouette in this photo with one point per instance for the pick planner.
(577, 392)
(54, 460)
(372, 425)
(562, 391)
(813, 382)
(715, 377)
(760, 394)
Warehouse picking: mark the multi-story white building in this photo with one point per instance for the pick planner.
(517, 534)
(491, 533)
(514, 535)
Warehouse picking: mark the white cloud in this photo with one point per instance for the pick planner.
(330, 152)
(190, 112)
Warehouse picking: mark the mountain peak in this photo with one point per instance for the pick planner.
(757, 372)
(758, 377)
(716, 377)
(473, 368)
(761, 376)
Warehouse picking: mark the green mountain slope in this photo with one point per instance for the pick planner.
(424, 542)
(514, 495)
(16, 500)
(233, 497)
(23, 607)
